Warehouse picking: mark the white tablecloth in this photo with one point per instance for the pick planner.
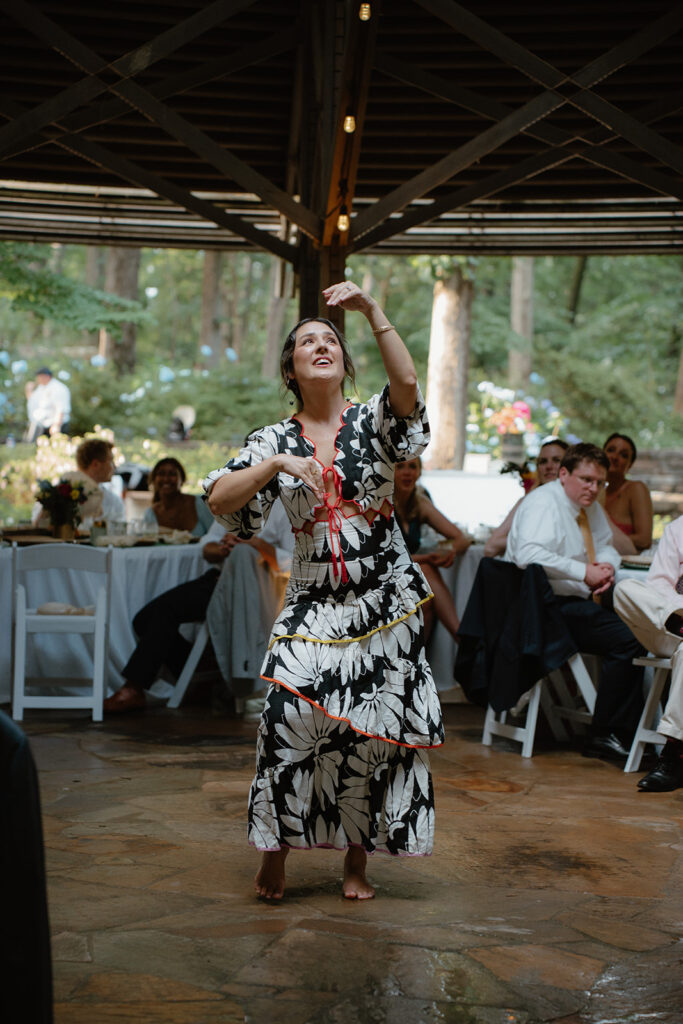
(441, 649)
(138, 575)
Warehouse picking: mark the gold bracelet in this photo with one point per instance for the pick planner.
(381, 330)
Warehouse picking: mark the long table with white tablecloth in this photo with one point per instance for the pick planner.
(138, 575)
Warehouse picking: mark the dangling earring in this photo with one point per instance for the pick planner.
(294, 388)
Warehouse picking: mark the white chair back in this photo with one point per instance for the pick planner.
(56, 563)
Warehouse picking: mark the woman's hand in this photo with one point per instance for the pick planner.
(308, 470)
(349, 296)
(439, 559)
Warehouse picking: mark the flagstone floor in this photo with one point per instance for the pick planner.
(554, 892)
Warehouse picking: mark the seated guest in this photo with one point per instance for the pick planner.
(627, 502)
(156, 625)
(413, 508)
(95, 461)
(171, 508)
(653, 610)
(562, 528)
(547, 468)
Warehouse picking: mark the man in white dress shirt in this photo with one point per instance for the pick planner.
(653, 609)
(48, 406)
(563, 528)
(95, 461)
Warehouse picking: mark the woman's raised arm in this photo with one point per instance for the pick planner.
(397, 360)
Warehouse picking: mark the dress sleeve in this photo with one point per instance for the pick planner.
(252, 517)
(401, 437)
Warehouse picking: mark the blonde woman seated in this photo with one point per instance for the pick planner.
(547, 469)
(627, 502)
(413, 509)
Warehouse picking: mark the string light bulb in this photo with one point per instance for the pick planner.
(349, 124)
(365, 12)
(343, 222)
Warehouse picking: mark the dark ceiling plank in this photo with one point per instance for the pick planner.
(88, 88)
(137, 175)
(359, 53)
(488, 140)
(489, 186)
(201, 74)
(543, 73)
(181, 129)
(547, 133)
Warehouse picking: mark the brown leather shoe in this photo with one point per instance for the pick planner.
(128, 698)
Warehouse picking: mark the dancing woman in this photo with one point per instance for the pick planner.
(352, 707)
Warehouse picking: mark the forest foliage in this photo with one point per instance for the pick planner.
(612, 365)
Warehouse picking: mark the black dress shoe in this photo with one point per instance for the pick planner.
(608, 746)
(666, 775)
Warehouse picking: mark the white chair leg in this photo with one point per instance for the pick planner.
(554, 721)
(185, 676)
(645, 733)
(99, 663)
(531, 719)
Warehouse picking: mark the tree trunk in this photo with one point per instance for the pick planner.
(678, 396)
(93, 278)
(575, 290)
(447, 371)
(121, 278)
(280, 278)
(210, 323)
(243, 326)
(521, 321)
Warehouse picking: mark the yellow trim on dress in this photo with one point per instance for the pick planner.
(352, 639)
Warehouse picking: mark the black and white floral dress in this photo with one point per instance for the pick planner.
(352, 707)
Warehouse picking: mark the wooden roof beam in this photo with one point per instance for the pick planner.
(516, 121)
(88, 88)
(180, 128)
(546, 75)
(358, 60)
(137, 175)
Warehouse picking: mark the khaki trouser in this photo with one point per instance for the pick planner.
(645, 610)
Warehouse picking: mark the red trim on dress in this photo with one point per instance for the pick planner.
(340, 718)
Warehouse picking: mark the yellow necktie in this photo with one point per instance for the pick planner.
(584, 525)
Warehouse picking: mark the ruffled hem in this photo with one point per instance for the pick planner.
(356, 729)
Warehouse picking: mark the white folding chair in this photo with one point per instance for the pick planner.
(64, 558)
(645, 733)
(185, 677)
(553, 695)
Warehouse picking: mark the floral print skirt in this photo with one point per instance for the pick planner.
(341, 755)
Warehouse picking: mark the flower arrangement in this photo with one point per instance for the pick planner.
(501, 415)
(61, 500)
(511, 419)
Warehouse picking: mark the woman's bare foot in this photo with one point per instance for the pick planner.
(270, 880)
(356, 885)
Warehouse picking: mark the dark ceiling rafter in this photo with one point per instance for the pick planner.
(202, 74)
(200, 143)
(137, 175)
(221, 126)
(359, 48)
(90, 87)
(564, 151)
(515, 121)
(545, 74)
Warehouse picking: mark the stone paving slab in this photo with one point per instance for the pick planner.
(554, 893)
